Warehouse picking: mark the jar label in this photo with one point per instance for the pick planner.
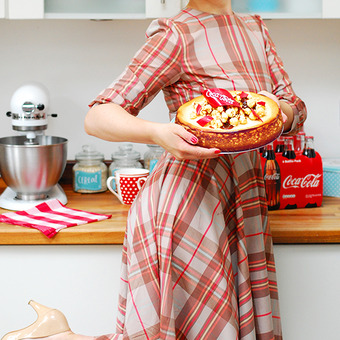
(153, 163)
(88, 180)
(113, 182)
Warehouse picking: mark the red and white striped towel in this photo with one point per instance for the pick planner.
(50, 217)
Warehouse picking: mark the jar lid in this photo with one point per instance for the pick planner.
(126, 152)
(155, 147)
(331, 164)
(88, 153)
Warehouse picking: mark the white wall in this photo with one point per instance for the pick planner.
(83, 282)
(76, 59)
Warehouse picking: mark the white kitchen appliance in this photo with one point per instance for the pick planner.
(31, 163)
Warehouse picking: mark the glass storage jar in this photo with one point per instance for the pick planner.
(89, 172)
(125, 157)
(152, 156)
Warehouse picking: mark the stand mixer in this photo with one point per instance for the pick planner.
(31, 163)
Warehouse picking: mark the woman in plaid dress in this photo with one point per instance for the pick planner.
(197, 257)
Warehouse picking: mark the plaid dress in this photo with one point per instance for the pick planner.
(197, 256)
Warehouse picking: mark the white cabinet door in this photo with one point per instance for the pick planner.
(162, 8)
(25, 9)
(331, 8)
(280, 9)
(94, 9)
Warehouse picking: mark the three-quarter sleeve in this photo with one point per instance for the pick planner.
(156, 65)
(282, 85)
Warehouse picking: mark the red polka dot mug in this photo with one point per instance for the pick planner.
(128, 183)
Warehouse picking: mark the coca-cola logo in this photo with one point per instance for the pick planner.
(309, 181)
(220, 97)
(272, 177)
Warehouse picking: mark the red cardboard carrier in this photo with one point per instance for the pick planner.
(301, 181)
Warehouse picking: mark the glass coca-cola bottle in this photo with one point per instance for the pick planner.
(288, 151)
(272, 178)
(279, 145)
(309, 150)
(299, 141)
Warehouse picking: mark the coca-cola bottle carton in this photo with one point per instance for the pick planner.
(301, 175)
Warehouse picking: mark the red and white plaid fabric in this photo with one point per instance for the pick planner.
(195, 51)
(50, 217)
(198, 258)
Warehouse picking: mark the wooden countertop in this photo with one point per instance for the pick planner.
(110, 231)
(313, 225)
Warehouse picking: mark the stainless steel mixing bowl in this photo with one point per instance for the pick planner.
(32, 170)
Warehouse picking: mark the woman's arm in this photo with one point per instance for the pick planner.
(291, 105)
(113, 114)
(287, 110)
(112, 123)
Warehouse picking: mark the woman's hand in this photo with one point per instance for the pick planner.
(286, 109)
(276, 100)
(181, 143)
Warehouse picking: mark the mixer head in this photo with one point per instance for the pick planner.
(29, 107)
